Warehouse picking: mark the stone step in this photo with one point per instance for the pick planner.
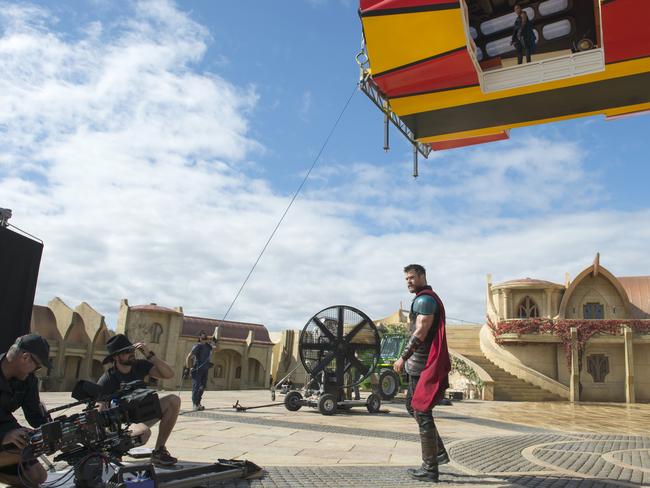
(506, 386)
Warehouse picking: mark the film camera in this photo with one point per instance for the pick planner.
(89, 440)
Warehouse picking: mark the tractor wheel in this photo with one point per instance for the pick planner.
(327, 404)
(389, 382)
(293, 401)
(374, 403)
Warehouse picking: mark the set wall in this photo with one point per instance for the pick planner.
(286, 358)
(613, 388)
(642, 372)
(563, 366)
(219, 382)
(540, 357)
(596, 289)
(160, 331)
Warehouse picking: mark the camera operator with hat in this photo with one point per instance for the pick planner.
(126, 368)
(19, 388)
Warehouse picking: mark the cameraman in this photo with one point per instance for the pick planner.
(19, 388)
(197, 363)
(127, 368)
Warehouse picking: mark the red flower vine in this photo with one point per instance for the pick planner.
(561, 328)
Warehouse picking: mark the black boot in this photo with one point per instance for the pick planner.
(429, 469)
(443, 457)
(422, 474)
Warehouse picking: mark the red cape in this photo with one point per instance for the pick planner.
(434, 379)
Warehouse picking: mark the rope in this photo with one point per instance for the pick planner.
(295, 195)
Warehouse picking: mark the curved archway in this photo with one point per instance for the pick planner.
(255, 374)
(76, 333)
(44, 323)
(227, 363)
(594, 271)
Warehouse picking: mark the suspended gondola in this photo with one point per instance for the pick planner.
(446, 74)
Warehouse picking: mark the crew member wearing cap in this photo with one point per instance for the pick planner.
(197, 364)
(19, 388)
(127, 368)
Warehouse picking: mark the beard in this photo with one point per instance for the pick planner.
(130, 361)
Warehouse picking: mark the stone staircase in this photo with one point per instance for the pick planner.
(464, 339)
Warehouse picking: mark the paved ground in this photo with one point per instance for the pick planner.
(490, 443)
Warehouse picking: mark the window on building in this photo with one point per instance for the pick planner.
(238, 372)
(593, 311)
(527, 309)
(218, 371)
(598, 367)
(156, 332)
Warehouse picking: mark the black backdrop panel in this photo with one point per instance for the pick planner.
(20, 258)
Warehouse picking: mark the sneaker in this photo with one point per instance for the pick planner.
(161, 457)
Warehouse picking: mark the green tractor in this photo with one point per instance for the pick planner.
(392, 345)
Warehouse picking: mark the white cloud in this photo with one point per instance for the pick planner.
(305, 105)
(127, 161)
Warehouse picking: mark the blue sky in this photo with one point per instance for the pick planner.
(153, 146)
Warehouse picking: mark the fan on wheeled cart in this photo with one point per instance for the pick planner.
(339, 349)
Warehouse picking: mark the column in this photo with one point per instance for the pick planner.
(243, 381)
(575, 373)
(501, 315)
(630, 396)
(507, 299)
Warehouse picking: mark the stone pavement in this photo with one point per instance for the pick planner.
(490, 443)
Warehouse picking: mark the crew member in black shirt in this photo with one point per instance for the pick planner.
(19, 388)
(197, 363)
(127, 368)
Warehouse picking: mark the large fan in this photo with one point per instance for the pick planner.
(339, 345)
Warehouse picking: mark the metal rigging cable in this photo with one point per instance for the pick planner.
(295, 195)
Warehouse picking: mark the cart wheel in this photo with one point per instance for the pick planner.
(374, 403)
(327, 404)
(389, 383)
(293, 401)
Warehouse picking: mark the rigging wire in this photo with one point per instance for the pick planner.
(295, 195)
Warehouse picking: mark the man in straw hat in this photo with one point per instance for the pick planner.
(126, 368)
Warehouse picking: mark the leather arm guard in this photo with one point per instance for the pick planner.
(411, 346)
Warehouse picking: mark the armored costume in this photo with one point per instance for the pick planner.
(427, 364)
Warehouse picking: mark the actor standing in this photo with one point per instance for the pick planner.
(198, 363)
(427, 363)
(19, 388)
(127, 368)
